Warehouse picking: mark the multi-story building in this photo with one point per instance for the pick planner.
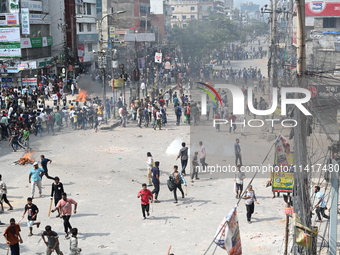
(183, 11)
(27, 54)
(161, 18)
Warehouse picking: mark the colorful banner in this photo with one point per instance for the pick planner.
(112, 32)
(9, 19)
(283, 175)
(29, 82)
(25, 21)
(228, 234)
(10, 35)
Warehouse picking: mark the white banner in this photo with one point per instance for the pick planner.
(228, 234)
(32, 5)
(10, 53)
(26, 43)
(25, 21)
(158, 57)
(10, 34)
(9, 19)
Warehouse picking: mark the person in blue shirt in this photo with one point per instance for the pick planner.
(44, 162)
(155, 180)
(34, 178)
(321, 205)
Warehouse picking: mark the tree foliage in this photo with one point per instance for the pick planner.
(200, 38)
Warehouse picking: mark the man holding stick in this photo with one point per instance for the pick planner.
(13, 237)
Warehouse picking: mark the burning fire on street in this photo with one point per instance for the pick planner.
(26, 159)
(82, 96)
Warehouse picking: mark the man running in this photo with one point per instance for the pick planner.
(178, 179)
(52, 242)
(65, 205)
(145, 195)
(13, 237)
(32, 213)
(44, 162)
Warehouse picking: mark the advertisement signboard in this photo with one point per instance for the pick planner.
(322, 8)
(10, 35)
(9, 19)
(25, 21)
(29, 82)
(36, 42)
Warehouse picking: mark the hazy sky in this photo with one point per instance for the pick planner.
(237, 3)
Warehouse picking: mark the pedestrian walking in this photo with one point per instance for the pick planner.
(202, 155)
(74, 250)
(231, 121)
(43, 163)
(250, 198)
(178, 180)
(56, 192)
(13, 237)
(65, 206)
(34, 178)
(155, 180)
(149, 165)
(239, 177)
(183, 154)
(178, 112)
(3, 195)
(52, 242)
(145, 196)
(195, 166)
(238, 154)
(321, 204)
(32, 213)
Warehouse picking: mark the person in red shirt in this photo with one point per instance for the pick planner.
(144, 194)
(217, 117)
(231, 122)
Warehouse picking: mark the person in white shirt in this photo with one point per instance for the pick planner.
(166, 98)
(321, 205)
(142, 87)
(202, 154)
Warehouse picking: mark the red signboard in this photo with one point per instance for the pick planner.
(322, 8)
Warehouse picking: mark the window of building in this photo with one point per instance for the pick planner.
(184, 17)
(329, 22)
(172, 8)
(88, 9)
(192, 8)
(174, 17)
(184, 25)
(80, 9)
(89, 27)
(192, 16)
(81, 27)
(89, 47)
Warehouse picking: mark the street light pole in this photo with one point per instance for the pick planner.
(102, 59)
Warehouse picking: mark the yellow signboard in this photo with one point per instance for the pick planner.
(112, 32)
(118, 83)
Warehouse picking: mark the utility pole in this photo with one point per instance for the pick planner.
(273, 55)
(301, 197)
(333, 215)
